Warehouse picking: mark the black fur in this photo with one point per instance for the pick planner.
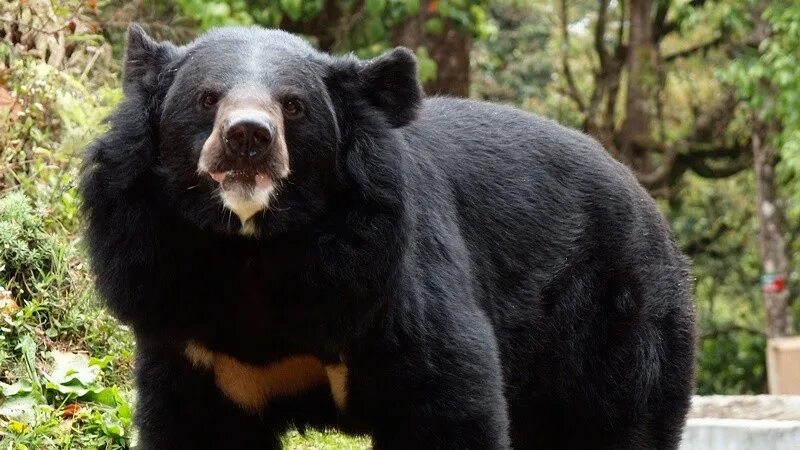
(490, 278)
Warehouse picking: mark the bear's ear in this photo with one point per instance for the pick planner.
(389, 82)
(144, 60)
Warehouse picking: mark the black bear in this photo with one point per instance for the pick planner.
(299, 238)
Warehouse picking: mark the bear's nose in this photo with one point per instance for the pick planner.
(248, 133)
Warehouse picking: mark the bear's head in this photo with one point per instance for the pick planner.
(253, 131)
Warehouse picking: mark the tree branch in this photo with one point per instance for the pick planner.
(620, 58)
(602, 74)
(573, 89)
(700, 48)
(661, 173)
(701, 244)
(621, 50)
(668, 26)
(600, 34)
(664, 30)
(703, 169)
(711, 125)
(706, 152)
(712, 162)
(660, 19)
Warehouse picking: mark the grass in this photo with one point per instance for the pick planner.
(315, 440)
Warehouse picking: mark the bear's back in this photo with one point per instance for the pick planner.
(503, 142)
(531, 197)
(508, 162)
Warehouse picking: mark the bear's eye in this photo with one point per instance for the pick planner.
(293, 108)
(209, 99)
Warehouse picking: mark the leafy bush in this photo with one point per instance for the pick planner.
(67, 406)
(56, 116)
(732, 362)
(28, 254)
(55, 90)
(715, 222)
(52, 394)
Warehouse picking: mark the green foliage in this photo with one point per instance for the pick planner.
(765, 78)
(365, 28)
(426, 66)
(732, 362)
(49, 306)
(57, 114)
(215, 14)
(28, 254)
(510, 64)
(772, 68)
(66, 407)
(53, 395)
(317, 440)
(715, 224)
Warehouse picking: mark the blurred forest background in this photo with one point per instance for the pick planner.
(700, 98)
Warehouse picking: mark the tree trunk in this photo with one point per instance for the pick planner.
(632, 68)
(635, 128)
(771, 217)
(449, 49)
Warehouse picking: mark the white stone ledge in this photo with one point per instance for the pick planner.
(741, 434)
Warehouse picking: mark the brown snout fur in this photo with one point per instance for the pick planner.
(275, 160)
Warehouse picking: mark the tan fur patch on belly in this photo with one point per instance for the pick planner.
(337, 378)
(251, 386)
(199, 356)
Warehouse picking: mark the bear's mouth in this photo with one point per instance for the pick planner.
(237, 179)
(245, 155)
(244, 192)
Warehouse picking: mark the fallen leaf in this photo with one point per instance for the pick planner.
(8, 306)
(72, 368)
(9, 103)
(70, 410)
(18, 408)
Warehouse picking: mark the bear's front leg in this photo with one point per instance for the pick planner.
(430, 386)
(179, 407)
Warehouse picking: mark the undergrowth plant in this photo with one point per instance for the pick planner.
(64, 361)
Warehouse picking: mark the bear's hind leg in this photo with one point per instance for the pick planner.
(444, 391)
